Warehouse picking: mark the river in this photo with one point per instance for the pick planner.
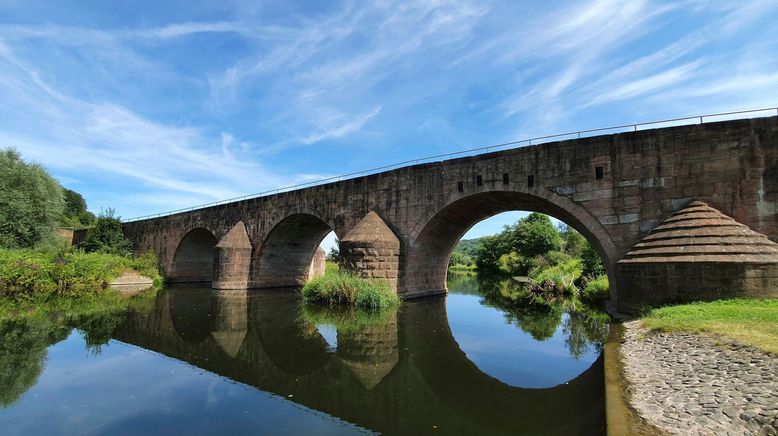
(197, 361)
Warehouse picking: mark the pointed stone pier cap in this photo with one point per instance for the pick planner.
(237, 237)
(700, 233)
(373, 231)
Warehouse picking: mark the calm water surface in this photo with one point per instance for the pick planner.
(196, 361)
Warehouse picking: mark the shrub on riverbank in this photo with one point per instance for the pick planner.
(33, 274)
(596, 290)
(339, 288)
(750, 321)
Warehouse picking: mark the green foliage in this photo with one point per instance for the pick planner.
(339, 288)
(461, 260)
(489, 251)
(573, 242)
(596, 290)
(75, 213)
(331, 267)
(35, 276)
(514, 264)
(592, 262)
(334, 254)
(535, 235)
(560, 278)
(107, 236)
(31, 203)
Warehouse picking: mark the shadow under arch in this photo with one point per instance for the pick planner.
(436, 237)
(193, 260)
(285, 256)
(471, 393)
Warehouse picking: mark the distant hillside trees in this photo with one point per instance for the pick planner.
(31, 202)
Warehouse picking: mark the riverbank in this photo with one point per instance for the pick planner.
(692, 383)
(34, 282)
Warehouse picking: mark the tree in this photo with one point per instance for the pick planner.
(535, 235)
(107, 236)
(334, 254)
(592, 262)
(75, 213)
(572, 241)
(31, 202)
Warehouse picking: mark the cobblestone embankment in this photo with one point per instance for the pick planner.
(685, 383)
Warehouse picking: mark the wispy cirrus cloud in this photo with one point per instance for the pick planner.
(218, 101)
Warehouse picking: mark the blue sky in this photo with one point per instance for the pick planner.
(148, 106)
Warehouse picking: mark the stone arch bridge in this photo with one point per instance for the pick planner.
(401, 225)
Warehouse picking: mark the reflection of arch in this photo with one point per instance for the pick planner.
(471, 393)
(193, 261)
(435, 237)
(275, 319)
(287, 252)
(190, 310)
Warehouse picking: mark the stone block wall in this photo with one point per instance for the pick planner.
(644, 176)
(649, 285)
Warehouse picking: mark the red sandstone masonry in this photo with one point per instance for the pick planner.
(647, 175)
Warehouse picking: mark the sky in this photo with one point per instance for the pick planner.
(148, 106)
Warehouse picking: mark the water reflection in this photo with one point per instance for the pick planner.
(401, 371)
(584, 329)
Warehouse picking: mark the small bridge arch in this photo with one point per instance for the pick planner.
(193, 258)
(284, 260)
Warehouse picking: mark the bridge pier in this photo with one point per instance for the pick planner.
(232, 259)
(372, 250)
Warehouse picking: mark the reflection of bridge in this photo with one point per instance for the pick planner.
(397, 377)
(401, 225)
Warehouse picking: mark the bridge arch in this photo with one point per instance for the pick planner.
(435, 237)
(284, 259)
(193, 259)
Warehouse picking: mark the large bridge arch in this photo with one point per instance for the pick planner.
(193, 258)
(435, 237)
(285, 256)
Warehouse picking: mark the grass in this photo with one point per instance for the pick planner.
(753, 322)
(34, 282)
(340, 288)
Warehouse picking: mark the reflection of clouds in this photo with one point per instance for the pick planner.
(504, 351)
(330, 334)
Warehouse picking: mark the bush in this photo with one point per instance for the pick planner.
(596, 289)
(107, 236)
(31, 274)
(348, 289)
(560, 278)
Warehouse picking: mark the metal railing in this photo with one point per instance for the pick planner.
(697, 119)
